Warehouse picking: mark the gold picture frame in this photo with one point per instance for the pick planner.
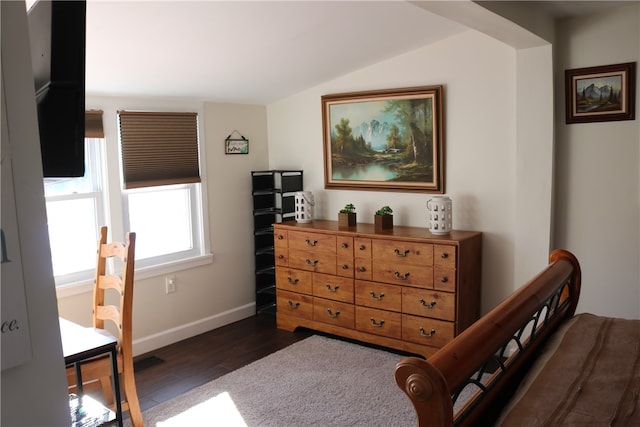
(388, 140)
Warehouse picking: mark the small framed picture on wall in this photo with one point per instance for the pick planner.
(239, 145)
(601, 94)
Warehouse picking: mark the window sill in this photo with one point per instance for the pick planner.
(70, 289)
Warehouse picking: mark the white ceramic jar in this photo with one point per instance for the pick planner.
(304, 203)
(440, 210)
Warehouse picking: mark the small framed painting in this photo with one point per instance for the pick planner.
(601, 94)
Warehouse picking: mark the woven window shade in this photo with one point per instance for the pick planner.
(93, 124)
(159, 148)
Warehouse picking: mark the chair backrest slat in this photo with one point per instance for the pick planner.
(114, 249)
(111, 281)
(109, 312)
(121, 282)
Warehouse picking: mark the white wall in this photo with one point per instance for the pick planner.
(33, 393)
(597, 166)
(479, 77)
(209, 294)
(533, 160)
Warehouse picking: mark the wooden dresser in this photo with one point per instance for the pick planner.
(402, 288)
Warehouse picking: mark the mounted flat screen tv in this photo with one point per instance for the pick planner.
(57, 30)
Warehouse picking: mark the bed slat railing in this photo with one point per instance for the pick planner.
(492, 354)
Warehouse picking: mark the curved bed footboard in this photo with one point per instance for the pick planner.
(427, 389)
(493, 354)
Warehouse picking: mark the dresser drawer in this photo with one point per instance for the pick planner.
(280, 239)
(312, 261)
(281, 256)
(334, 312)
(344, 246)
(402, 274)
(427, 331)
(362, 269)
(294, 304)
(316, 242)
(402, 252)
(344, 266)
(378, 295)
(361, 247)
(444, 279)
(379, 322)
(294, 280)
(445, 256)
(439, 305)
(333, 287)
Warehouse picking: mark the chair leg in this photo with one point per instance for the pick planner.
(131, 394)
(107, 390)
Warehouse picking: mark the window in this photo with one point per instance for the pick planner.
(75, 209)
(168, 219)
(162, 176)
(164, 221)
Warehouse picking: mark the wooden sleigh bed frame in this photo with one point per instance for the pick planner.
(493, 355)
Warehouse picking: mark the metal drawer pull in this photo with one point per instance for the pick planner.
(292, 281)
(425, 305)
(345, 246)
(424, 334)
(332, 314)
(362, 247)
(280, 237)
(376, 324)
(280, 256)
(377, 298)
(397, 252)
(444, 280)
(311, 243)
(362, 269)
(345, 267)
(444, 255)
(311, 263)
(330, 289)
(401, 277)
(294, 305)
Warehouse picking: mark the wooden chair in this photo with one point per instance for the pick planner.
(97, 372)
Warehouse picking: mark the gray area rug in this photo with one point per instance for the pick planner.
(315, 382)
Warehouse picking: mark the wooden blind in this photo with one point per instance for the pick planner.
(93, 124)
(159, 148)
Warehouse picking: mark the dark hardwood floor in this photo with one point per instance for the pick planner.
(168, 372)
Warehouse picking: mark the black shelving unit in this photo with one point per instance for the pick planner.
(273, 194)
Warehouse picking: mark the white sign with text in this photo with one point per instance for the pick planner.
(16, 340)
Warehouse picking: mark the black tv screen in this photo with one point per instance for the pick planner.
(57, 30)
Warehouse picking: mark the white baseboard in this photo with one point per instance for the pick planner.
(173, 335)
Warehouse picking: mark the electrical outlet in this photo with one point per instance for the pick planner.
(170, 284)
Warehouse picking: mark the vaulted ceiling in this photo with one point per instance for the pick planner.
(252, 52)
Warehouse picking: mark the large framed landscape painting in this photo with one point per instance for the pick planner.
(385, 140)
(599, 94)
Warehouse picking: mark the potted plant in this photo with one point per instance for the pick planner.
(383, 218)
(347, 216)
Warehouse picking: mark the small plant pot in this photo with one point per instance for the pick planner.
(346, 219)
(383, 222)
